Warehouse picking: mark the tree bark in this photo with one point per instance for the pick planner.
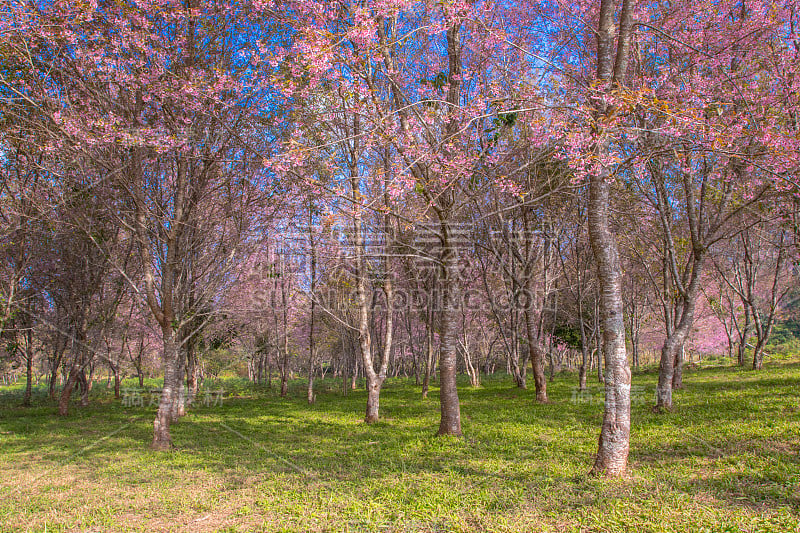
(59, 348)
(582, 370)
(311, 347)
(674, 342)
(450, 409)
(178, 408)
(162, 440)
(428, 360)
(677, 376)
(614, 442)
(26, 400)
(612, 455)
(741, 352)
(66, 392)
(76, 368)
(285, 360)
(85, 386)
(191, 369)
(537, 356)
(116, 382)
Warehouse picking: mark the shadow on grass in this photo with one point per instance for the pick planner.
(724, 439)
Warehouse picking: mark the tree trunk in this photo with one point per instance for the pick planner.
(582, 373)
(54, 370)
(600, 356)
(677, 376)
(450, 409)
(75, 368)
(116, 382)
(415, 355)
(51, 392)
(66, 392)
(428, 362)
(614, 442)
(85, 387)
(612, 454)
(162, 440)
(537, 356)
(179, 395)
(373, 399)
(139, 372)
(635, 344)
(666, 369)
(90, 381)
(310, 396)
(673, 344)
(311, 361)
(285, 375)
(191, 369)
(758, 355)
(26, 400)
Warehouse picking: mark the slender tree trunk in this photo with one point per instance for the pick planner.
(179, 395)
(116, 382)
(614, 442)
(415, 356)
(450, 421)
(673, 344)
(677, 376)
(587, 357)
(84, 388)
(310, 396)
(285, 375)
(743, 335)
(428, 360)
(66, 392)
(612, 455)
(191, 369)
(90, 381)
(582, 371)
(59, 348)
(354, 375)
(26, 400)
(758, 355)
(373, 399)
(635, 333)
(285, 363)
(600, 357)
(537, 356)
(311, 347)
(76, 368)
(269, 372)
(51, 387)
(162, 440)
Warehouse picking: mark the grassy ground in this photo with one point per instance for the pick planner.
(725, 460)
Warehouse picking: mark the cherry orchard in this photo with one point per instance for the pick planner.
(414, 89)
(219, 125)
(153, 95)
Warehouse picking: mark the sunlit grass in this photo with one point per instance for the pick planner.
(726, 459)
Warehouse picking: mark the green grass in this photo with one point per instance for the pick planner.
(726, 459)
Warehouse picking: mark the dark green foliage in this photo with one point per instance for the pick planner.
(569, 334)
